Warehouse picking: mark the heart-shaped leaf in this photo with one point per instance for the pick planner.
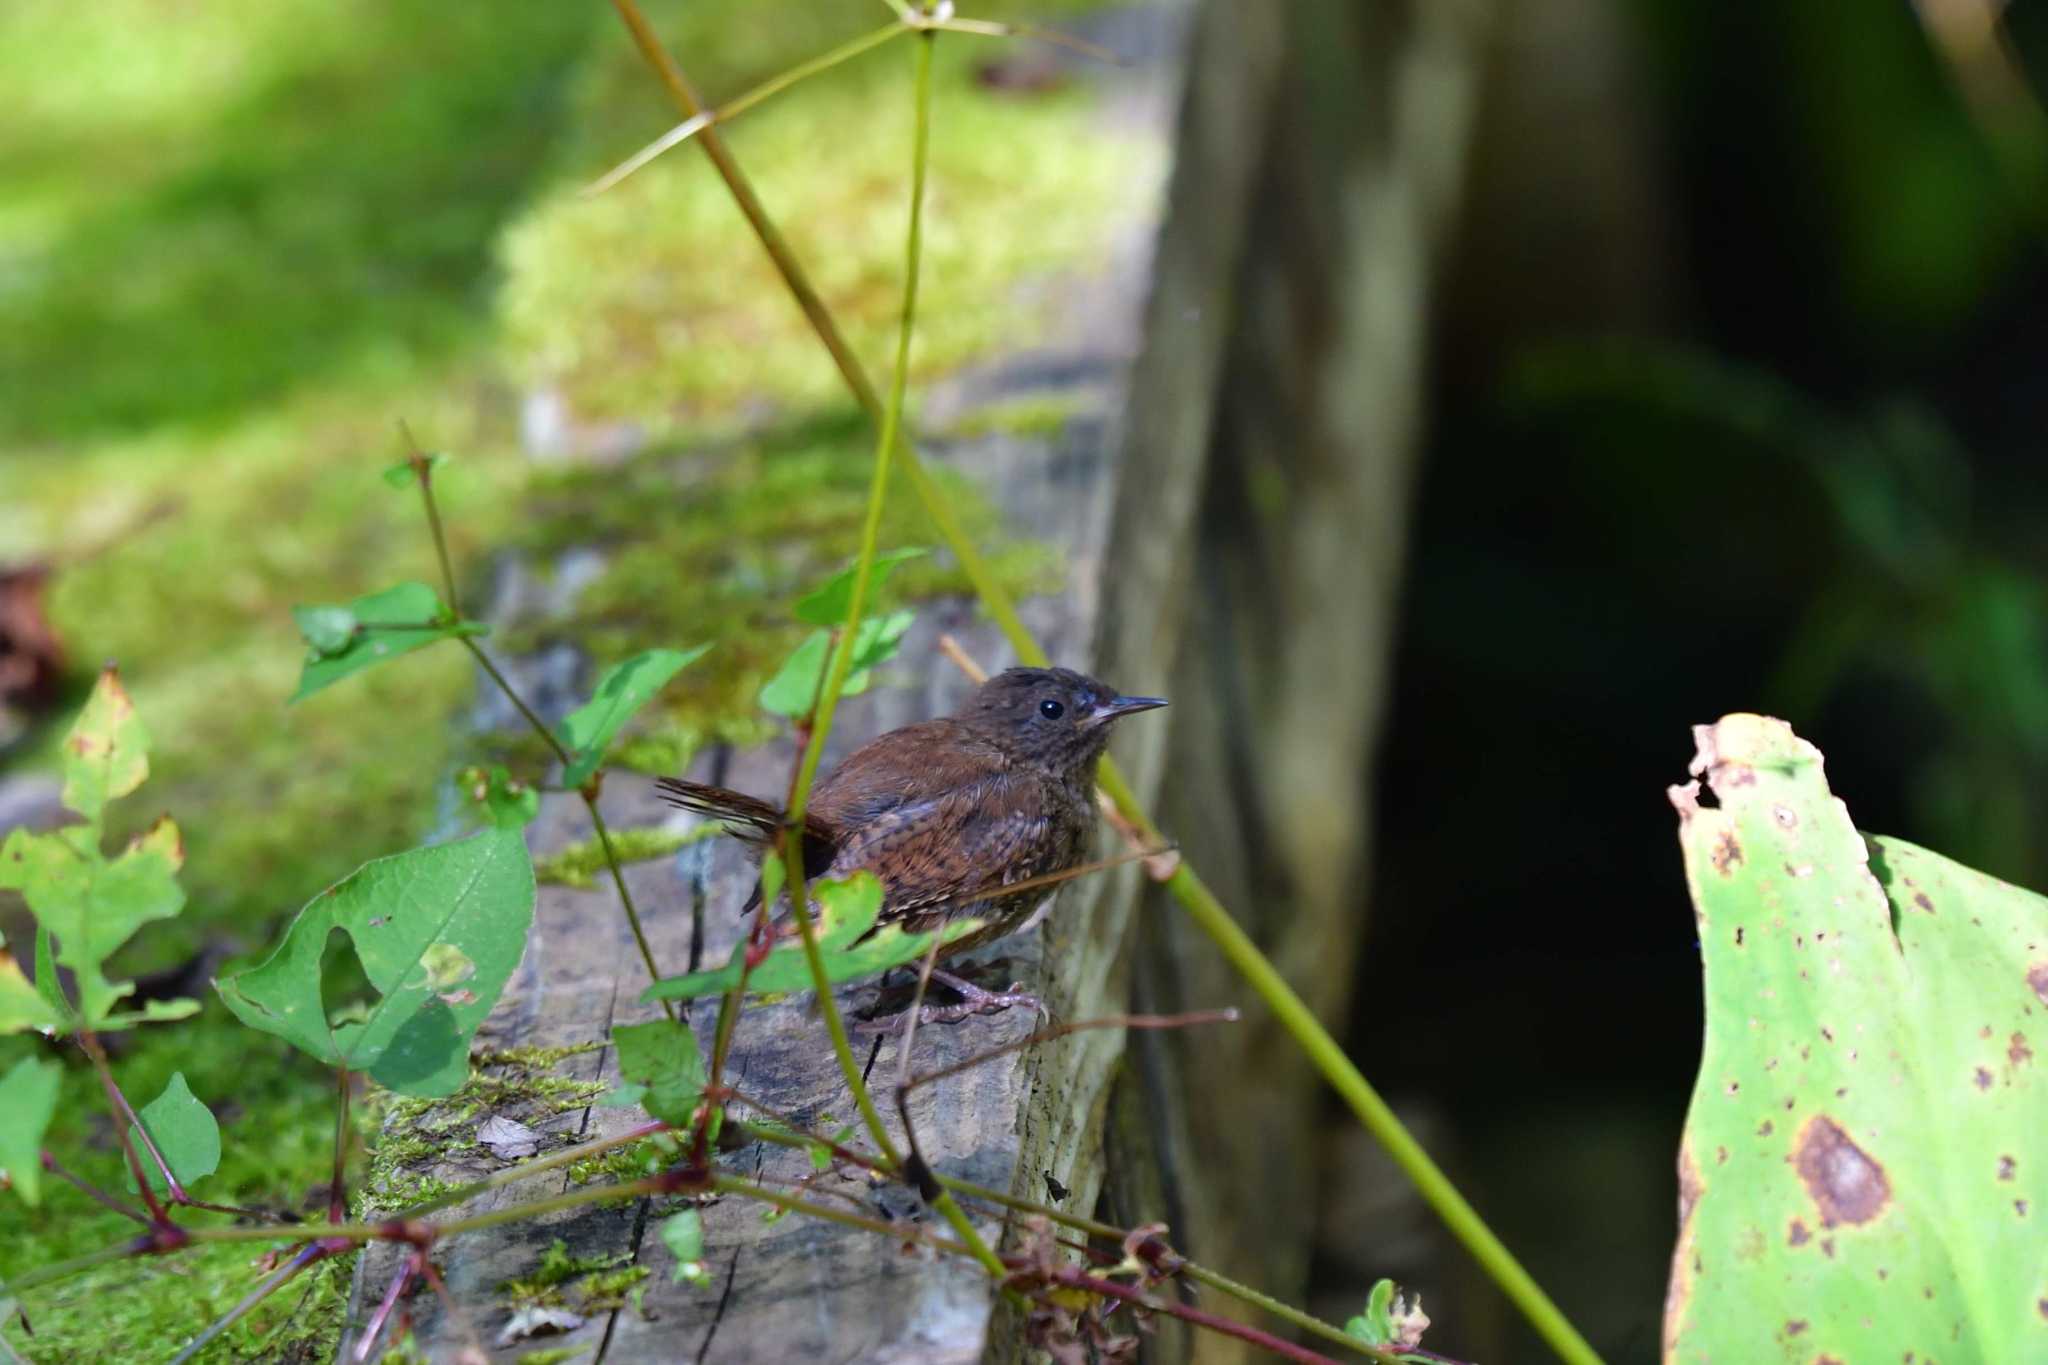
(438, 930)
(662, 1055)
(184, 1130)
(625, 687)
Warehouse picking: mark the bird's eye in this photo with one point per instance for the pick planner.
(1051, 709)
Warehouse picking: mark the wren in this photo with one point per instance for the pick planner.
(948, 812)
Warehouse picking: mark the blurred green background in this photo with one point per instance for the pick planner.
(1737, 404)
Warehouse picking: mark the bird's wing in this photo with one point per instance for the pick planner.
(944, 853)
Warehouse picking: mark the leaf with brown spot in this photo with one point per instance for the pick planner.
(1896, 1044)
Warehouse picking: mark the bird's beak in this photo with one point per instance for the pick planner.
(1105, 712)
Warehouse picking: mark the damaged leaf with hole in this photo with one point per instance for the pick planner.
(1868, 1082)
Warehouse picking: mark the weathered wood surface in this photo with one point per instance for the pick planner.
(797, 1289)
(1340, 131)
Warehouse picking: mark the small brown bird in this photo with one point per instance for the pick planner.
(947, 812)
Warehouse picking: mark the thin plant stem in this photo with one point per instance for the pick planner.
(1186, 888)
(1192, 1269)
(124, 1120)
(732, 109)
(270, 1285)
(92, 1191)
(611, 860)
(538, 1166)
(1344, 1077)
(1123, 1021)
(1072, 1278)
(337, 1189)
(902, 1232)
(375, 1327)
(423, 470)
(988, 28)
(536, 1208)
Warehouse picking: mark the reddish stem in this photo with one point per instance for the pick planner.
(124, 1119)
(384, 1307)
(1070, 1278)
(126, 1210)
(337, 1201)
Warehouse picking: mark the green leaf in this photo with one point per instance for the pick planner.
(828, 604)
(22, 1005)
(401, 475)
(438, 930)
(1863, 1167)
(842, 911)
(683, 1234)
(795, 686)
(662, 1055)
(1373, 1326)
(184, 1131)
(28, 1098)
(152, 1012)
(496, 797)
(106, 755)
(327, 631)
(47, 984)
(382, 626)
(90, 904)
(625, 687)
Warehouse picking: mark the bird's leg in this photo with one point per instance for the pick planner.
(973, 1000)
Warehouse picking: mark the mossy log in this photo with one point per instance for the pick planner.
(1243, 376)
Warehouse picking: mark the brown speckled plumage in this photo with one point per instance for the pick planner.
(947, 810)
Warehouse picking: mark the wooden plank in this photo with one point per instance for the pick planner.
(796, 1289)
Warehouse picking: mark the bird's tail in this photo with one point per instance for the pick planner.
(748, 817)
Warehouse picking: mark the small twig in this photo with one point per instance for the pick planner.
(337, 1203)
(1128, 1021)
(453, 1309)
(423, 470)
(125, 1119)
(537, 1166)
(1070, 1277)
(375, 1328)
(308, 1254)
(92, 1191)
(989, 28)
(732, 109)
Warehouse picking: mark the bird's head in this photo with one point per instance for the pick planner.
(1054, 716)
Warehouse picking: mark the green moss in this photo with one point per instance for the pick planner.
(1020, 186)
(551, 1355)
(634, 1161)
(586, 1283)
(579, 863)
(277, 1124)
(742, 531)
(414, 1134)
(1031, 414)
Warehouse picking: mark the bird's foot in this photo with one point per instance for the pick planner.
(973, 1000)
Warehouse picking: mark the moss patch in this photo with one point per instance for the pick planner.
(1021, 185)
(579, 863)
(741, 531)
(277, 1122)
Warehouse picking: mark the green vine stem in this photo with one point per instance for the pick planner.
(423, 471)
(1185, 886)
